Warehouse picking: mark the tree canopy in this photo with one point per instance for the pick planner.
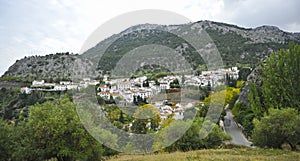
(281, 79)
(277, 128)
(274, 101)
(53, 130)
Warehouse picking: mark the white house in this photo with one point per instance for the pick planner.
(105, 77)
(103, 88)
(60, 87)
(234, 69)
(38, 82)
(141, 79)
(86, 79)
(92, 82)
(178, 115)
(64, 82)
(123, 85)
(164, 85)
(72, 86)
(128, 95)
(25, 90)
(104, 94)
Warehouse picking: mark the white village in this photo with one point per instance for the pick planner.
(125, 91)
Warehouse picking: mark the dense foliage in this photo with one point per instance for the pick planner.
(277, 128)
(279, 89)
(14, 105)
(52, 130)
(6, 134)
(281, 79)
(191, 140)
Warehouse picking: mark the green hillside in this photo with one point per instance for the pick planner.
(239, 154)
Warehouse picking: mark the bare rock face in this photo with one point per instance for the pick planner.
(254, 77)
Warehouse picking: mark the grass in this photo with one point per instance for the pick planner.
(239, 154)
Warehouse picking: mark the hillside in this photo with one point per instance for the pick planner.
(237, 46)
(216, 154)
(52, 68)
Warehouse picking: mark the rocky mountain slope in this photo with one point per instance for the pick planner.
(52, 68)
(254, 77)
(236, 45)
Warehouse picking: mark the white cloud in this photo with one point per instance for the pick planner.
(292, 27)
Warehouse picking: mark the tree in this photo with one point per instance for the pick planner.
(121, 118)
(230, 81)
(255, 99)
(111, 100)
(280, 126)
(139, 101)
(209, 88)
(134, 100)
(100, 100)
(175, 84)
(6, 133)
(146, 120)
(146, 83)
(276, 86)
(243, 73)
(244, 115)
(281, 79)
(54, 130)
(156, 82)
(191, 139)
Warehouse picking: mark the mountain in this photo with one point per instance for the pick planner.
(52, 68)
(236, 45)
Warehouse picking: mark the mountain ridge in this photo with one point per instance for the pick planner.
(236, 45)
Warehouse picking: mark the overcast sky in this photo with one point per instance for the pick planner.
(40, 27)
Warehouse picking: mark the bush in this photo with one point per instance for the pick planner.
(277, 128)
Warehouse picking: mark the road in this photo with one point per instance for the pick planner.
(234, 131)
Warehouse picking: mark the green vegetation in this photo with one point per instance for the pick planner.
(52, 130)
(234, 48)
(14, 105)
(191, 140)
(272, 118)
(56, 126)
(118, 116)
(175, 84)
(136, 39)
(43, 126)
(236, 154)
(281, 87)
(146, 114)
(6, 134)
(277, 128)
(244, 115)
(13, 79)
(153, 72)
(139, 101)
(243, 73)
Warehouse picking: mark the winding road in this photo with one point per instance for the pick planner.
(234, 131)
